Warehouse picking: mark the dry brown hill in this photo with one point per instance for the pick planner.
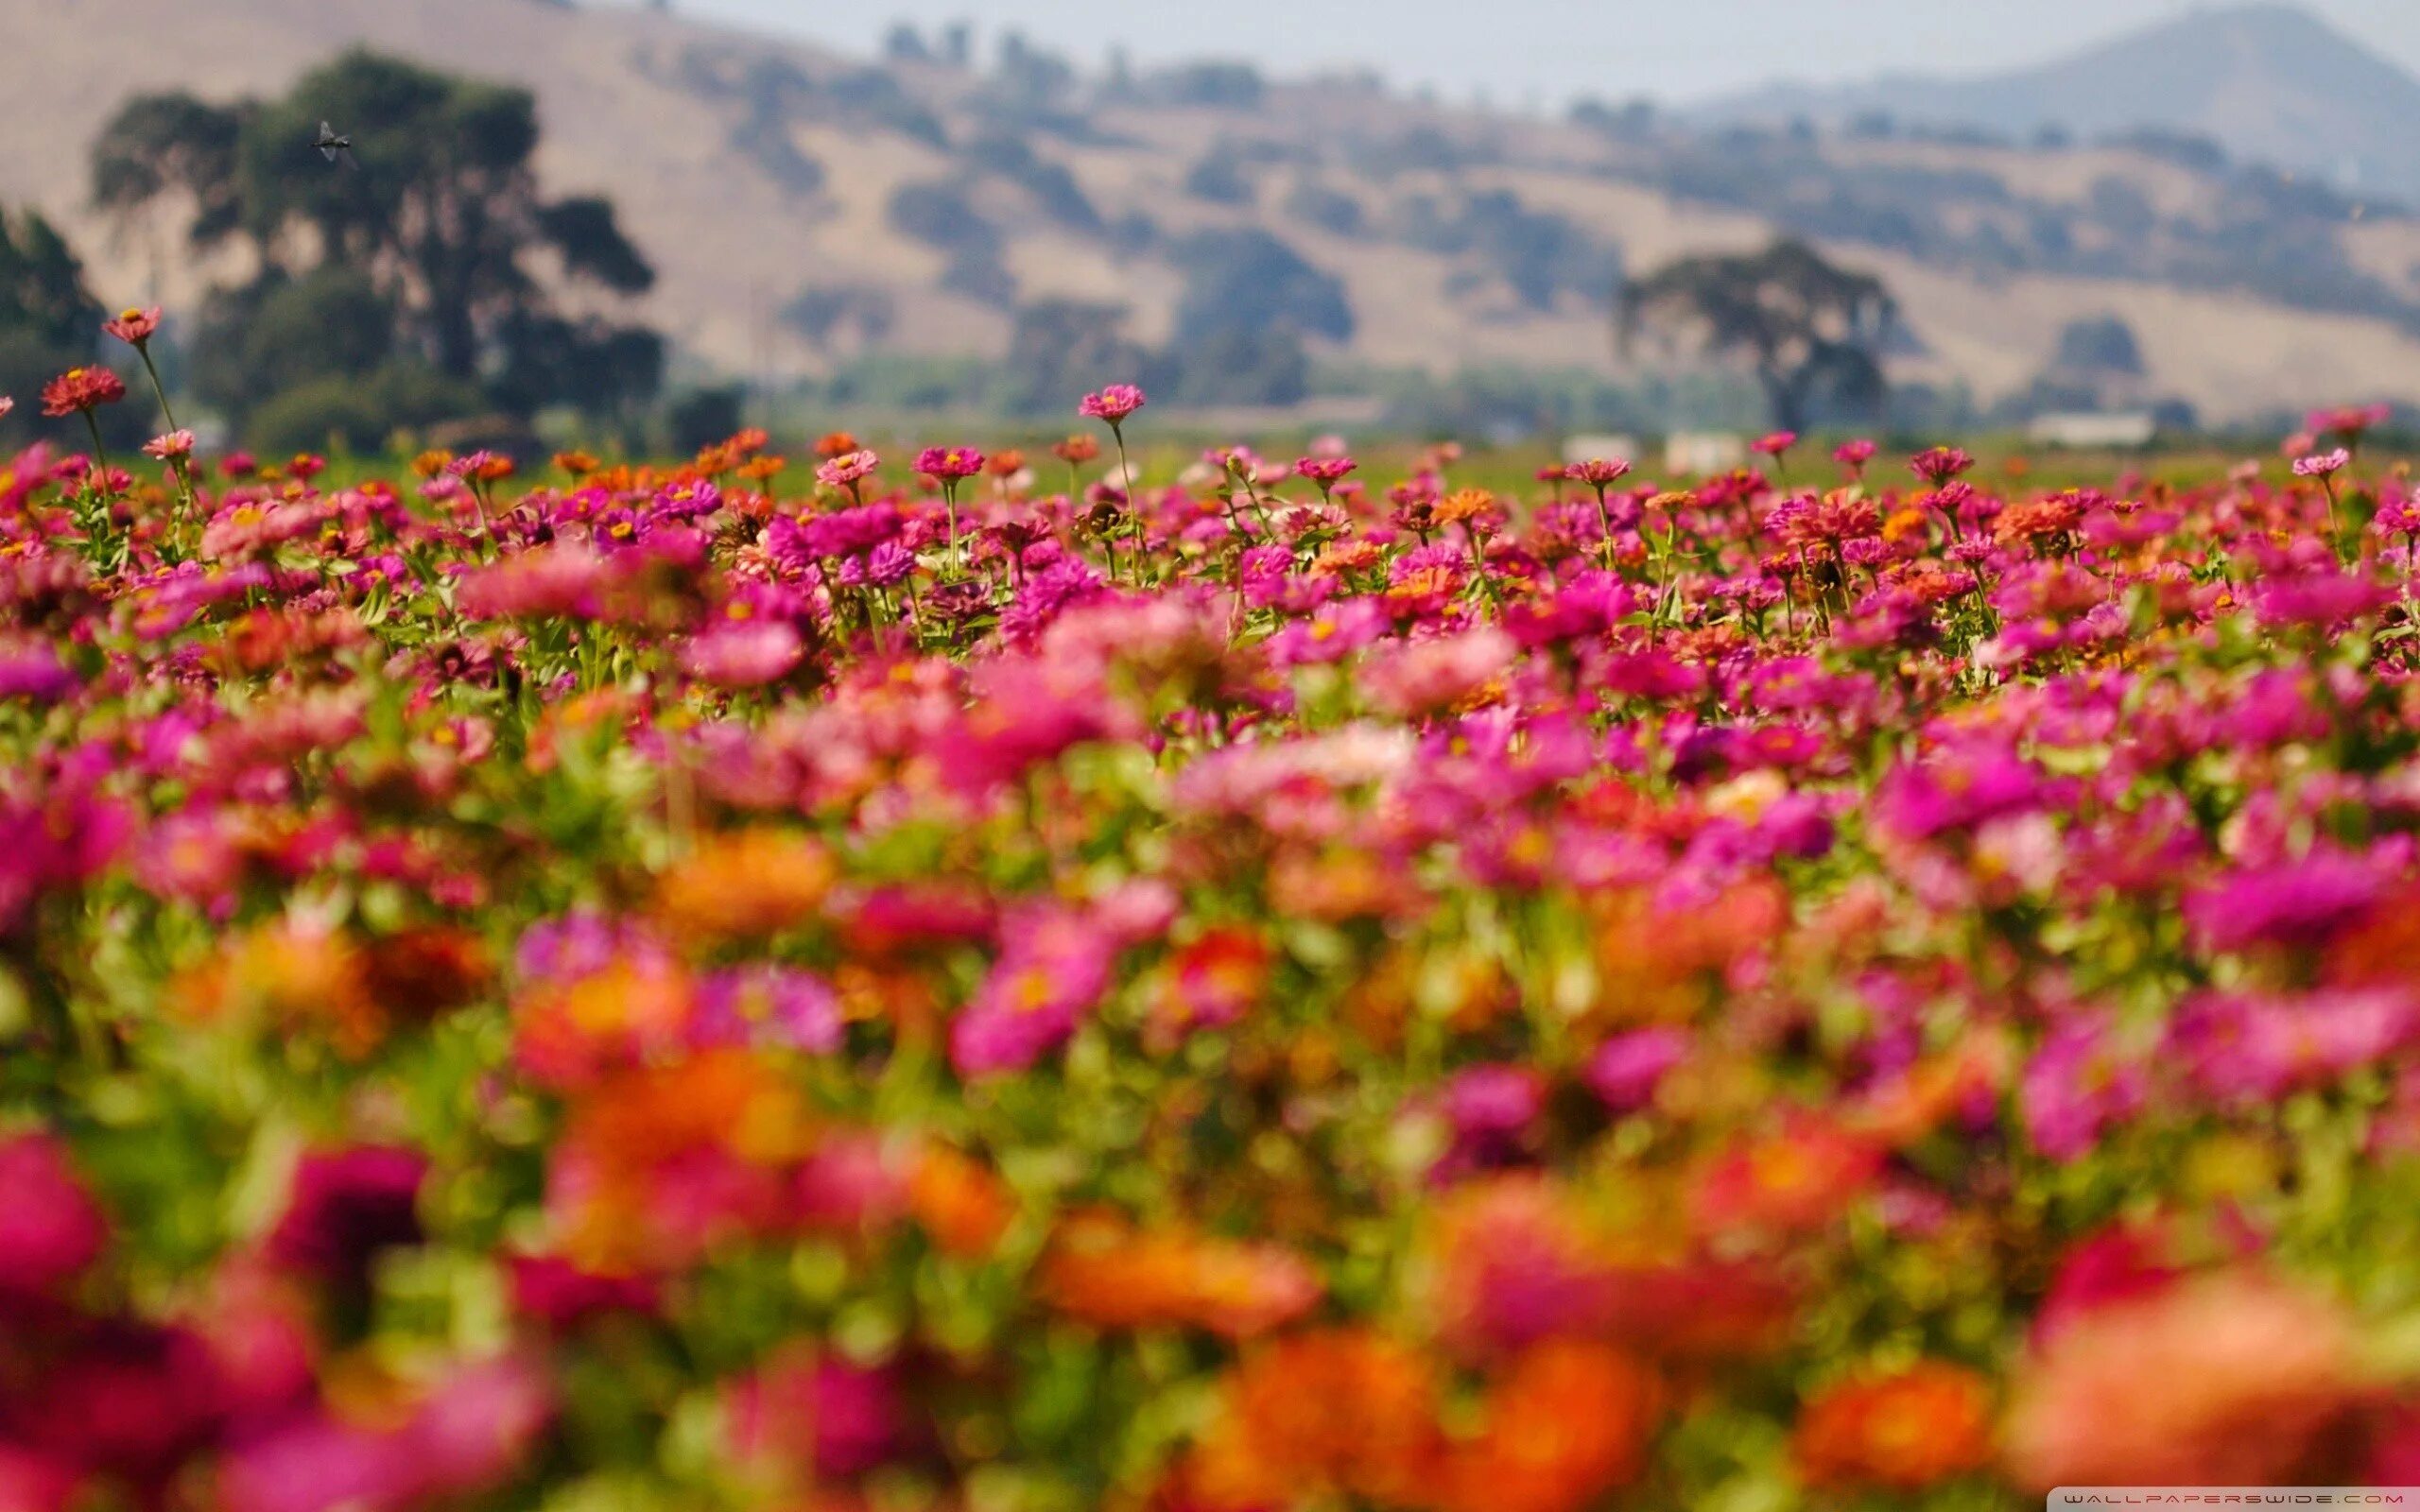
(754, 171)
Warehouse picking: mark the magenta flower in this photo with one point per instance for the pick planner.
(2076, 1088)
(949, 463)
(1113, 404)
(2322, 464)
(1052, 976)
(1940, 464)
(49, 1228)
(1626, 1069)
(349, 1205)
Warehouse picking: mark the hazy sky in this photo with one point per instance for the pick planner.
(1546, 51)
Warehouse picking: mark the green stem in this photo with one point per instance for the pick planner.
(157, 386)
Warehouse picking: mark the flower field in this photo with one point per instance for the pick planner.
(1031, 983)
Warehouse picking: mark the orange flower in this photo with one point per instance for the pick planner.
(578, 464)
(1901, 1432)
(1336, 1413)
(1465, 503)
(746, 884)
(1570, 1422)
(429, 464)
(1791, 1182)
(569, 1033)
(1111, 1276)
(960, 1202)
(656, 1166)
(838, 443)
(288, 975)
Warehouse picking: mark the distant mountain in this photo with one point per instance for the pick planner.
(867, 222)
(2270, 83)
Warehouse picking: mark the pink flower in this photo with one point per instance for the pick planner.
(2076, 1088)
(2351, 422)
(7, 404)
(1854, 454)
(745, 655)
(471, 1432)
(1626, 1069)
(1940, 464)
(846, 469)
(1324, 471)
(1054, 971)
(1776, 444)
(807, 1418)
(50, 1229)
(2228, 1380)
(949, 463)
(2322, 464)
(134, 326)
(172, 447)
(1113, 404)
(1598, 472)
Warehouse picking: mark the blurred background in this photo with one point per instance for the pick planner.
(2113, 224)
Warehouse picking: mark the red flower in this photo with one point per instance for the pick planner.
(80, 390)
(134, 326)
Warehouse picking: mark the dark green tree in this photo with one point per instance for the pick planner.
(1812, 332)
(48, 323)
(442, 223)
(1060, 350)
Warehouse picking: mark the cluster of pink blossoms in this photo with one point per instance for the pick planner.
(1390, 981)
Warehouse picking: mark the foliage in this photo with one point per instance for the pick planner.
(434, 246)
(1810, 332)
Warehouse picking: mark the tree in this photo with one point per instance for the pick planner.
(1810, 331)
(1062, 348)
(50, 322)
(444, 224)
(1250, 281)
(2102, 346)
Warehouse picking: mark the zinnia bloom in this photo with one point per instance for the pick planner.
(1901, 1432)
(1113, 404)
(79, 390)
(2229, 1380)
(846, 469)
(949, 463)
(134, 326)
